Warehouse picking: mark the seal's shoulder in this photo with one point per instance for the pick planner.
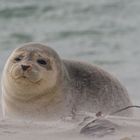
(78, 67)
(82, 71)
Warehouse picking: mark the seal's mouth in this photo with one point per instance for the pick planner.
(25, 76)
(26, 80)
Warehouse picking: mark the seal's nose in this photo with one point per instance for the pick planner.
(25, 67)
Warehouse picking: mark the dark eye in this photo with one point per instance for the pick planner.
(17, 59)
(41, 61)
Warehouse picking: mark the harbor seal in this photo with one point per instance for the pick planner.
(39, 85)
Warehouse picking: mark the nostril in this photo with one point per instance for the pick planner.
(25, 67)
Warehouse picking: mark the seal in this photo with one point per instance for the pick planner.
(37, 84)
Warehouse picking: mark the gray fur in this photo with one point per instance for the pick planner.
(95, 89)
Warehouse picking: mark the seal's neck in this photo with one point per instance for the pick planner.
(49, 103)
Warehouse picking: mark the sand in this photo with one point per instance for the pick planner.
(124, 128)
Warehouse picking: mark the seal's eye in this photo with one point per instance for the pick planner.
(41, 61)
(17, 59)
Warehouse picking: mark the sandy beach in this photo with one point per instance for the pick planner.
(63, 131)
(123, 129)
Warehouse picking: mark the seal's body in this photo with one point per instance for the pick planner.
(37, 84)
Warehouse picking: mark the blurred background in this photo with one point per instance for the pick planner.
(102, 32)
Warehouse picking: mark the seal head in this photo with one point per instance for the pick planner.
(31, 65)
